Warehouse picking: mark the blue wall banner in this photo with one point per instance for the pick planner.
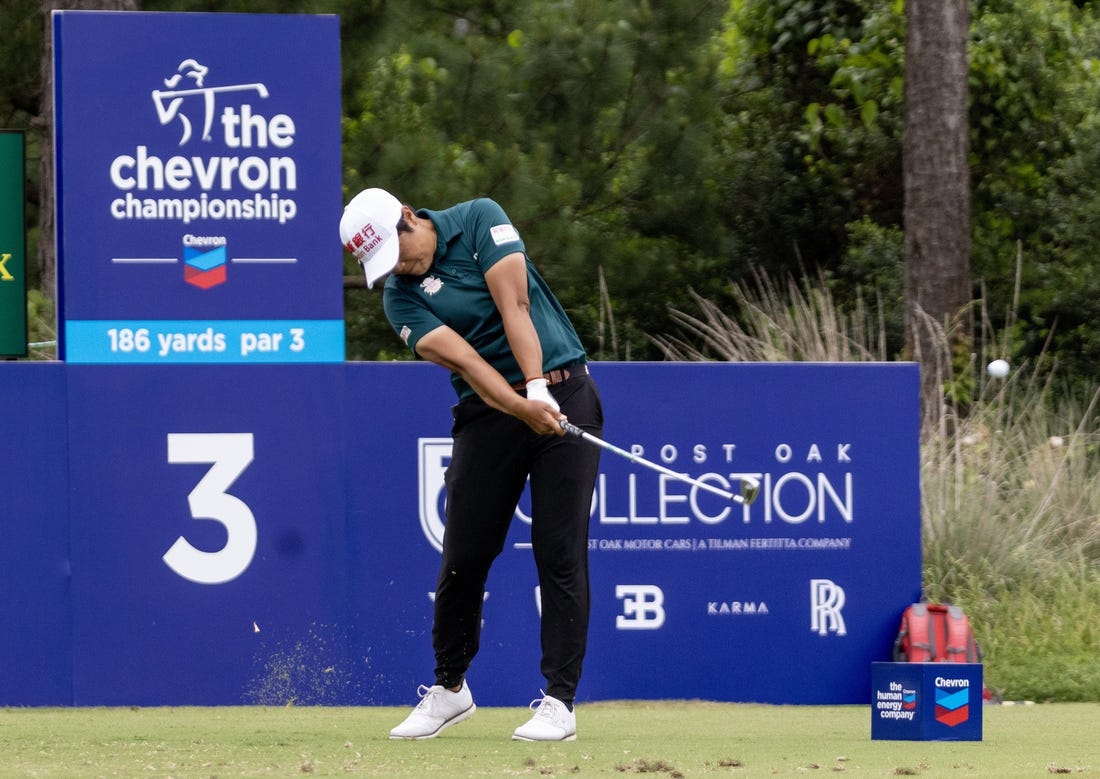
(198, 161)
(785, 601)
(233, 534)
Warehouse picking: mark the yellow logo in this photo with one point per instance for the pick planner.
(4, 275)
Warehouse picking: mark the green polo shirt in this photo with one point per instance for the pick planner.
(472, 237)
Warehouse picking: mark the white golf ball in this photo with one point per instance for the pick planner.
(997, 369)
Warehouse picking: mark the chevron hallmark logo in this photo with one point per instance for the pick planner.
(952, 701)
(204, 261)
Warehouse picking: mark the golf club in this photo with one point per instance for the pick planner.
(750, 488)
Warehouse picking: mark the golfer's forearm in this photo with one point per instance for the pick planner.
(443, 347)
(507, 281)
(493, 388)
(523, 339)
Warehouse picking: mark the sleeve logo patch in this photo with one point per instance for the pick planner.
(503, 234)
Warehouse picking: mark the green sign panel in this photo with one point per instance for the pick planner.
(13, 277)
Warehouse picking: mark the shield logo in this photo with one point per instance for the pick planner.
(434, 457)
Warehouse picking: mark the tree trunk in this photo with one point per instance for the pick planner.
(937, 186)
(47, 244)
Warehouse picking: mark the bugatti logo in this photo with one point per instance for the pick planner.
(643, 607)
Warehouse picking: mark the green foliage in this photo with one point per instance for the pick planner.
(40, 326)
(823, 82)
(1010, 489)
(874, 264)
(776, 322)
(584, 120)
(19, 88)
(1038, 632)
(1034, 92)
(814, 126)
(1062, 297)
(665, 149)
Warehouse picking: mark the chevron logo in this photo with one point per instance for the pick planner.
(952, 706)
(908, 700)
(204, 267)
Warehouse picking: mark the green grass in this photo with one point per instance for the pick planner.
(1040, 632)
(672, 738)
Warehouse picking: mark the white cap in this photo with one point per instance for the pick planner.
(368, 229)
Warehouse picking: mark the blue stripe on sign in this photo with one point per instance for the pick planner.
(164, 342)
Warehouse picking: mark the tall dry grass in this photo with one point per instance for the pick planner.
(778, 322)
(1010, 475)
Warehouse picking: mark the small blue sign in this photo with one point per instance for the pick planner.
(926, 701)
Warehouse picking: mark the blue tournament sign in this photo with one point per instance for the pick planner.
(269, 533)
(198, 164)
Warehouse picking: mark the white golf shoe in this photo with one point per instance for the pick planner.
(553, 721)
(439, 708)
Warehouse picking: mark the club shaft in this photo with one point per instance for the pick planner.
(571, 428)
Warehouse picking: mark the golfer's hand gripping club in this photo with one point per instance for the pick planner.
(749, 487)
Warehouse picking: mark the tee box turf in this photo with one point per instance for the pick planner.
(926, 701)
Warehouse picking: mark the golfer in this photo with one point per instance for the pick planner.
(463, 294)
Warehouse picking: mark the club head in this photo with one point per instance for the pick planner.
(750, 489)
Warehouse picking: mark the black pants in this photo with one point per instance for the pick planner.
(493, 455)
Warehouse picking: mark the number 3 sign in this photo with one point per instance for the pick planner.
(230, 454)
(204, 492)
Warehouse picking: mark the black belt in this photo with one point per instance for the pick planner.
(558, 375)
